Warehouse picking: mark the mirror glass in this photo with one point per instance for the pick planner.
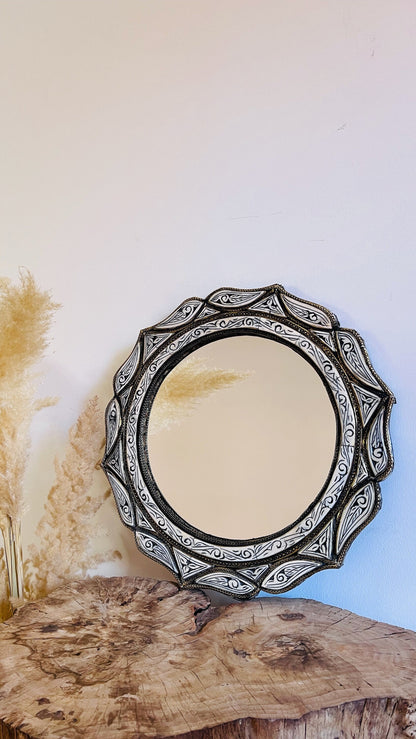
(252, 439)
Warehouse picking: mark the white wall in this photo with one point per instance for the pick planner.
(157, 150)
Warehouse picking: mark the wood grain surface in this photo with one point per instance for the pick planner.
(132, 657)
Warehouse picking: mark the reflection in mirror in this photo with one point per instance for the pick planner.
(247, 458)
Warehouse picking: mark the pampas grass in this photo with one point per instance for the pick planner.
(63, 549)
(25, 316)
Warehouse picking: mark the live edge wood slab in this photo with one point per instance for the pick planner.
(129, 657)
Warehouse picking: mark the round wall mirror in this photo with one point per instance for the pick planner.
(271, 431)
(246, 440)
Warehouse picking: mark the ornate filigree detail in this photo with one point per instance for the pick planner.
(270, 304)
(123, 501)
(322, 545)
(354, 357)
(112, 423)
(142, 521)
(254, 573)
(185, 313)
(156, 549)
(327, 337)
(362, 472)
(114, 460)
(307, 312)
(378, 451)
(189, 566)
(229, 297)
(278, 562)
(367, 401)
(288, 574)
(127, 370)
(207, 311)
(123, 398)
(357, 513)
(152, 341)
(228, 583)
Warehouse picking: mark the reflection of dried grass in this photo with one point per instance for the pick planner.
(184, 387)
(25, 316)
(63, 549)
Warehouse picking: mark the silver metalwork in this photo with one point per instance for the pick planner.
(351, 495)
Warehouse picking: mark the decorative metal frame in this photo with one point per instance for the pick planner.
(350, 497)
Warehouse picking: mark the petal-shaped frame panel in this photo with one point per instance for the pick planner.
(351, 495)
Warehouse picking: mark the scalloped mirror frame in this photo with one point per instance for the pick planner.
(349, 499)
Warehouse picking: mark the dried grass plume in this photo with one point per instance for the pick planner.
(63, 549)
(26, 313)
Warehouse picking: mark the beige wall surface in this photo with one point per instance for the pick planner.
(151, 151)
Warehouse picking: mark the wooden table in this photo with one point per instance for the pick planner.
(128, 657)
